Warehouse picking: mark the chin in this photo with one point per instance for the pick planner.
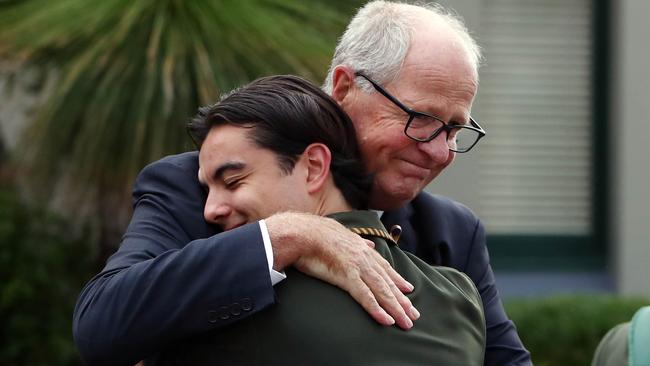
(386, 200)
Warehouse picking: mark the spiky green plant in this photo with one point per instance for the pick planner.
(130, 73)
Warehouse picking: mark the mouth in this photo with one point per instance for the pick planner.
(416, 170)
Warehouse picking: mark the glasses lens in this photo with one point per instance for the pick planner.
(462, 139)
(422, 127)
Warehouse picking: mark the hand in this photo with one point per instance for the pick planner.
(322, 248)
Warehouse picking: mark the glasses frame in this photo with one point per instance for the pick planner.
(413, 113)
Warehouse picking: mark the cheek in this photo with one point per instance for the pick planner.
(382, 133)
(369, 122)
(246, 202)
(381, 144)
(279, 198)
(292, 195)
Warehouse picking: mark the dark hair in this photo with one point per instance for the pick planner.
(286, 114)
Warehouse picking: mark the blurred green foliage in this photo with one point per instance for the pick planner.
(565, 330)
(129, 74)
(42, 269)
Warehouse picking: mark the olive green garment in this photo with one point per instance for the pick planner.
(314, 323)
(627, 344)
(612, 350)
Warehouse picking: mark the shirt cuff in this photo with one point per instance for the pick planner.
(276, 276)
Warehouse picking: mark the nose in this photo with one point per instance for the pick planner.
(437, 149)
(216, 210)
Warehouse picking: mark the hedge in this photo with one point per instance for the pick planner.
(42, 269)
(565, 330)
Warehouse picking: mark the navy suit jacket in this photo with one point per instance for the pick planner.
(173, 278)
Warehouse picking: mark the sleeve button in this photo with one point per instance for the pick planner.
(246, 304)
(212, 316)
(224, 313)
(235, 309)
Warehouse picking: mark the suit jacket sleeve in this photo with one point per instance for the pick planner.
(164, 283)
(503, 346)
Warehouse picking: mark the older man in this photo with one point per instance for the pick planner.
(407, 76)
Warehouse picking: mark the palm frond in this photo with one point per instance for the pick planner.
(131, 73)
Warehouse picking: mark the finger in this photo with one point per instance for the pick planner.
(386, 297)
(362, 295)
(399, 281)
(404, 301)
(389, 273)
(395, 277)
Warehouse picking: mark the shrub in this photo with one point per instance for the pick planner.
(565, 330)
(42, 270)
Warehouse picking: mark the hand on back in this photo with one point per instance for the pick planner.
(322, 248)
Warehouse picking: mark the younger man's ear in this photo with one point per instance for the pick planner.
(317, 158)
(342, 82)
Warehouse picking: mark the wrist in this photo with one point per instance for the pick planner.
(288, 238)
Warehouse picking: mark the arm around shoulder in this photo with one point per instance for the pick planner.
(164, 283)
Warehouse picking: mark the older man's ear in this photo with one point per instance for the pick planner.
(342, 83)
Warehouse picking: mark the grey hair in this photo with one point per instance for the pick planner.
(378, 38)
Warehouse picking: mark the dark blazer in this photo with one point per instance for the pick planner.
(446, 233)
(173, 278)
(315, 323)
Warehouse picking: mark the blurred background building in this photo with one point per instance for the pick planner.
(562, 179)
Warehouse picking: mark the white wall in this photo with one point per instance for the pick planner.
(630, 126)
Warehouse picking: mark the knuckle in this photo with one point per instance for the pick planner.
(393, 287)
(375, 278)
(386, 293)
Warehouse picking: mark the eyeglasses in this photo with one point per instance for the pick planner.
(423, 127)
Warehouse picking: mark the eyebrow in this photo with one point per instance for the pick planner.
(223, 168)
